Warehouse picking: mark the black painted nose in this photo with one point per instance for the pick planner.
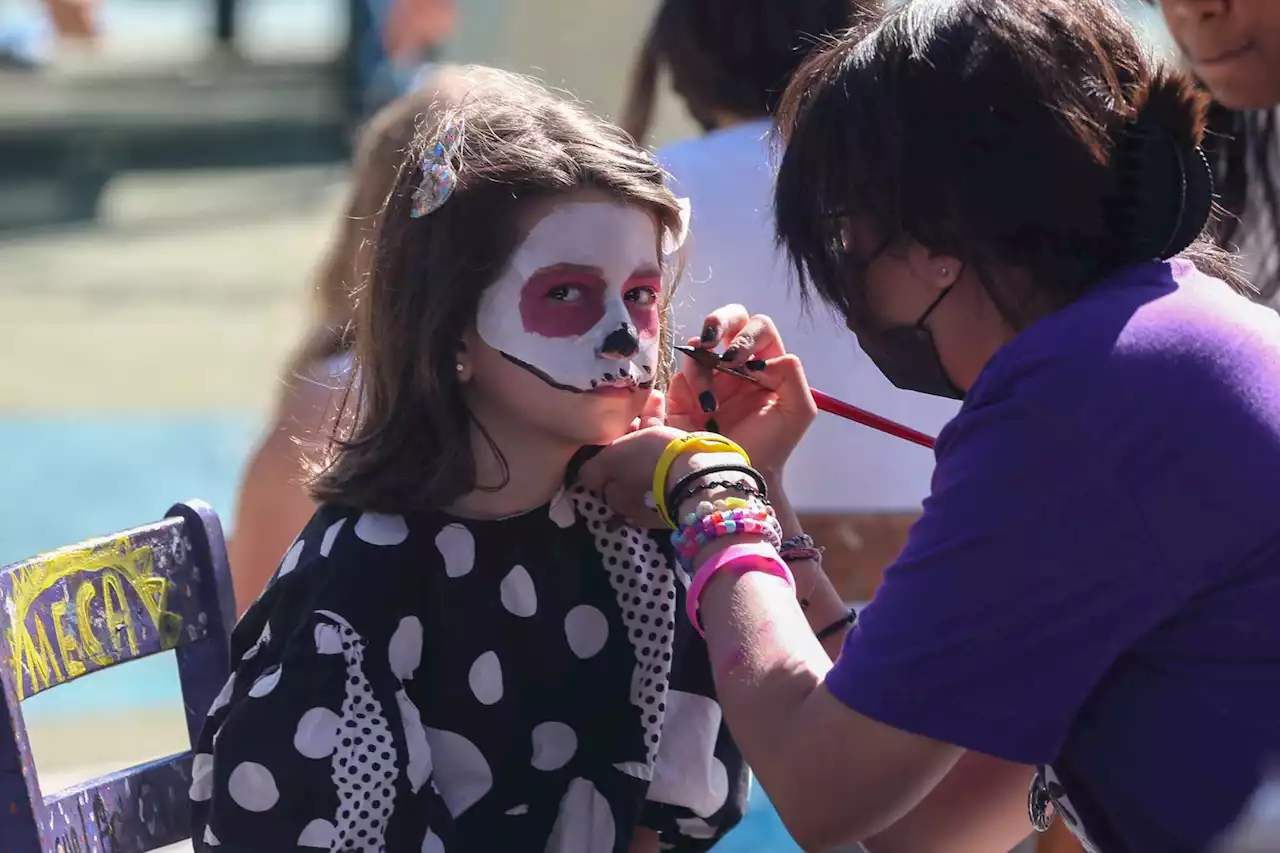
(622, 342)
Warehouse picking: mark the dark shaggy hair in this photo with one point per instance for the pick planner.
(988, 131)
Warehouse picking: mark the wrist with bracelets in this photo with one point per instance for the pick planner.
(690, 442)
(800, 547)
(747, 515)
(712, 520)
(690, 484)
(709, 521)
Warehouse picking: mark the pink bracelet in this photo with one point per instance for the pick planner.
(738, 559)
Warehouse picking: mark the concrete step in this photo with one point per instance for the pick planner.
(63, 136)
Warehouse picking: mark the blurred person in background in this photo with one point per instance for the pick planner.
(273, 504)
(29, 32)
(729, 60)
(1233, 47)
(394, 44)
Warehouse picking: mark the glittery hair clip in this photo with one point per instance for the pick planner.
(439, 177)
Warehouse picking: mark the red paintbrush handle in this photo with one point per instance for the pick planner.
(827, 403)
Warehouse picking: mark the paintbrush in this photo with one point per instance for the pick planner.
(827, 403)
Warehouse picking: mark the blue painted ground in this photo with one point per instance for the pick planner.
(68, 480)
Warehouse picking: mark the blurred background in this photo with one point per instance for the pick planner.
(170, 172)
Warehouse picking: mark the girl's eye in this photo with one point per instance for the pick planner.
(565, 293)
(642, 296)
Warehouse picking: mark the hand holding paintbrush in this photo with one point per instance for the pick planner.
(761, 334)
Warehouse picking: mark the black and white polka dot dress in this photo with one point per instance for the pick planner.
(436, 685)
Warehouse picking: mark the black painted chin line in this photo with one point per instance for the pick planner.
(540, 374)
(554, 384)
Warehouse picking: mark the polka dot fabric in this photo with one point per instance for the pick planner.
(428, 683)
(364, 763)
(644, 582)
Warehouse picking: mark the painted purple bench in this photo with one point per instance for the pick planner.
(165, 586)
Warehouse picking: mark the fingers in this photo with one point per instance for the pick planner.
(722, 324)
(756, 340)
(654, 412)
(746, 337)
(692, 379)
(683, 410)
(785, 377)
(597, 475)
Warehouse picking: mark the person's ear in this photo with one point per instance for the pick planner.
(463, 362)
(936, 270)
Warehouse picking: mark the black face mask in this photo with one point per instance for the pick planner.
(908, 357)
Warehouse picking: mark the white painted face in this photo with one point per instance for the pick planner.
(579, 304)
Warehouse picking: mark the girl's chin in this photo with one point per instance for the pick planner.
(622, 392)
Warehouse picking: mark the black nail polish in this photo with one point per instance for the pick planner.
(755, 364)
(730, 354)
(712, 426)
(708, 334)
(707, 401)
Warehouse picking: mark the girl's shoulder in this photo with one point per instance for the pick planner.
(368, 566)
(344, 561)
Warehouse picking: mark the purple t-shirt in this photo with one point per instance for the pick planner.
(1095, 582)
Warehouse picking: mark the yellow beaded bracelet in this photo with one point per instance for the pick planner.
(706, 441)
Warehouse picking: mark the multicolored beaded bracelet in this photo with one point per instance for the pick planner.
(725, 517)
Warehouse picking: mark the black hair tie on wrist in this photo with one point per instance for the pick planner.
(839, 625)
(677, 495)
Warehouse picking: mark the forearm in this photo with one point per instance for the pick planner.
(765, 657)
(833, 774)
(821, 603)
(981, 807)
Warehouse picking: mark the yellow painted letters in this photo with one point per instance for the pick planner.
(66, 642)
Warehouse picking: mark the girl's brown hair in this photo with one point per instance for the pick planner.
(379, 152)
(1000, 133)
(408, 444)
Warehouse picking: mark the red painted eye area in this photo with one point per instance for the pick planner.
(566, 293)
(558, 304)
(642, 295)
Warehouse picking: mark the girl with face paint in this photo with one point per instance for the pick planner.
(465, 650)
(1003, 199)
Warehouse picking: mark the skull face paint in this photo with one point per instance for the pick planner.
(579, 305)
